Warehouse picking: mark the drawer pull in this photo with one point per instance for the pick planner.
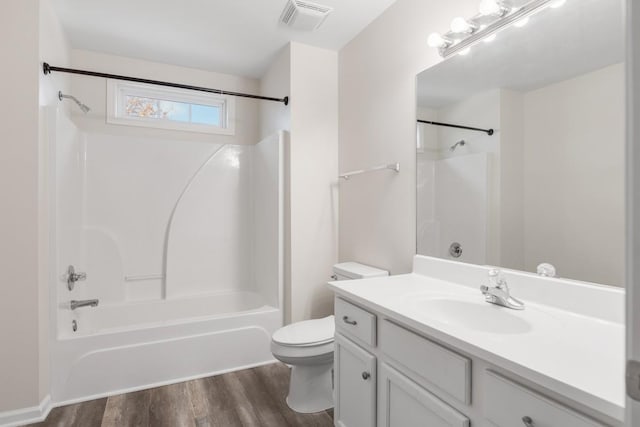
(527, 421)
(346, 320)
(366, 375)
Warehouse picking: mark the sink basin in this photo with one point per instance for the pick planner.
(479, 316)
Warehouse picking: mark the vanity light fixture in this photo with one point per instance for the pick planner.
(494, 16)
(436, 40)
(492, 8)
(460, 25)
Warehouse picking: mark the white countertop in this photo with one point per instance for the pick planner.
(577, 355)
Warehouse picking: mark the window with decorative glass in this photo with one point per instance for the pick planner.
(169, 108)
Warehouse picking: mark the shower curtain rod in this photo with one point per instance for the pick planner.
(449, 125)
(47, 69)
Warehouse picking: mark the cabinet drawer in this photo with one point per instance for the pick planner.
(406, 404)
(355, 322)
(508, 404)
(427, 361)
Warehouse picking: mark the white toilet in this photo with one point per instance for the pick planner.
(308, 347)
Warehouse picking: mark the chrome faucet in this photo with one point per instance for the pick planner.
(84, 303)
(498, 292)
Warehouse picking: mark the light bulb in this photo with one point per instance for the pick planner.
(490, 7)
(436, 40)
(490, 38)
(460, 25)
(556, 4)
(521, 23)
(464, 52)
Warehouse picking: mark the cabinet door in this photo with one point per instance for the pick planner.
(406, 404)
(355, 387)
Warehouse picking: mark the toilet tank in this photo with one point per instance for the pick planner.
(355, 270)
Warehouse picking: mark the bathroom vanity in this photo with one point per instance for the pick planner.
(426, 349)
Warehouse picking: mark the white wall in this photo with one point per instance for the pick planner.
(92, 91)
(276, 82)
(309, 76)
(511, 215)
(313, 176)
(574, 205)
(377, 125)
(19, 305)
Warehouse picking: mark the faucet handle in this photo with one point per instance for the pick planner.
(496, 278)
(73, 277)
(494, 273)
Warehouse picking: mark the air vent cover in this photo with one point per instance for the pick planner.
(304, 15)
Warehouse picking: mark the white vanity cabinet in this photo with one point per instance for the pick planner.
(405, 403)
(390, 375)
(510, 404)
(355, 385)
(355, 366)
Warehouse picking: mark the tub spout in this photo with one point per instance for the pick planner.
(84, 303)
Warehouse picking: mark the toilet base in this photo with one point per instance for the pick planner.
(311, 388)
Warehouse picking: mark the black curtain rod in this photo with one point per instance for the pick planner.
(47, 69)
(449, 125)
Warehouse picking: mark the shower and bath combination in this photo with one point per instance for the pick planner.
(82, 106)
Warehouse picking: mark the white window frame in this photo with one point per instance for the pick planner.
(117, 90)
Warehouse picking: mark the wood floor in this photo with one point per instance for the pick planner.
(249, 398)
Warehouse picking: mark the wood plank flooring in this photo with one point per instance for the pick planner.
(249, 398)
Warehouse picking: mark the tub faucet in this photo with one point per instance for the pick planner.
(498, 292)
(84, 303)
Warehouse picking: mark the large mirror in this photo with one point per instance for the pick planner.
(548, 184)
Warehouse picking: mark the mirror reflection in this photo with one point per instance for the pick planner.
(538, 184)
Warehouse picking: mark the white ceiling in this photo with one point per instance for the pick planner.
(557, 44)
(230, 36)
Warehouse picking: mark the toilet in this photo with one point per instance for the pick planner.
(307, 347)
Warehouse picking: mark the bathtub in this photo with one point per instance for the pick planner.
(123, 348)
(189, 278)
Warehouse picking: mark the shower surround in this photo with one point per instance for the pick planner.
(182, 244)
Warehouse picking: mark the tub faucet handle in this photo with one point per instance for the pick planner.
(73, 277)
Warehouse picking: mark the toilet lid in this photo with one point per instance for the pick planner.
(308, 332)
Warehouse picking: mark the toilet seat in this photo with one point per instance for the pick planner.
(309, 342)
(308, 333)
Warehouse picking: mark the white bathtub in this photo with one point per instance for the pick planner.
(183, 245)
(135, 346)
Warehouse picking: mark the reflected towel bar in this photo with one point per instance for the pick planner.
(393, 166)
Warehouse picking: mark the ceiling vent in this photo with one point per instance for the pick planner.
(304, 15)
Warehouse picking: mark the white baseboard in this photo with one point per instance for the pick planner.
(24, 416)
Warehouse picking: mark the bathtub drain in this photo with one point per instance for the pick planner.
(74, 325)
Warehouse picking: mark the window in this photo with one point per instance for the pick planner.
(168, 108)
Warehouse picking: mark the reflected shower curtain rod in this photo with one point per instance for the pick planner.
(47, 69)
(449, 125)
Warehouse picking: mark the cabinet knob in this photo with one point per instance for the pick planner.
(366, 375)
(346, 320)
(527, 421)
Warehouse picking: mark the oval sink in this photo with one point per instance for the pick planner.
(479, 316)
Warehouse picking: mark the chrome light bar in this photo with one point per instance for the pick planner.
(501, 23)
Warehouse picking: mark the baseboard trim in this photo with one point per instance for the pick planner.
(33, 414)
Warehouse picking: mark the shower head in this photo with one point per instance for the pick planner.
(460, 143)
(82, 106)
